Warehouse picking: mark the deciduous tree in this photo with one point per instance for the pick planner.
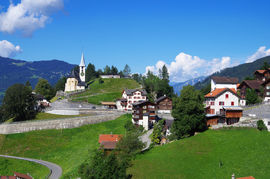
(19, 103)
(44, 88)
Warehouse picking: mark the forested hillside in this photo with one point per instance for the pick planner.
(19, 71)
(241, 71)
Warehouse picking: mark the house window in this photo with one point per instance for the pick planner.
(221, 103)
(268, 123)
(232, 103)
(227, 96)
(212, 103)
(268, 93)
(267, 87)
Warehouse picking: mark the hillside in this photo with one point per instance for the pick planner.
(19, 71)
(240, 71)
(68, 148)
(108, 90)
(212, 154)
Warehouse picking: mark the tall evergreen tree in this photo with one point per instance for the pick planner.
(265, 66)
(126, 70)
(107, 70)
(90, 72)
(114, 70)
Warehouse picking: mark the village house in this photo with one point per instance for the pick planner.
(130, 96)
(164, 104)
(76, 82)
(262, 75)
(144, 114)
(250, 84)
(266, 85)
(222, 103)
(108, 142)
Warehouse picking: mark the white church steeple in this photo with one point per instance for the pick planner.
(82, 69)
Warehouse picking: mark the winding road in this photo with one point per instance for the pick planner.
(55, 170)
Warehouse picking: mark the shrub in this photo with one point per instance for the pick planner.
(261, 126)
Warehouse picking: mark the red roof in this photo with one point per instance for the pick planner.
(7, 177)
(24, 176)
(250, 177)
(109, 138)
(219, 91)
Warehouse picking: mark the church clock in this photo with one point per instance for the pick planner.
(82, 74)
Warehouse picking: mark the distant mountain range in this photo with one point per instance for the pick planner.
(19, 71)
(179, 86)
(241, 71)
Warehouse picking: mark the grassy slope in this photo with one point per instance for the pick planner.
(110, 90)
(8, 166)
(244, 152)
(68, 148)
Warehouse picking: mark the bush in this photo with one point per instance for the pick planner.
(158, 132)
(261, 126)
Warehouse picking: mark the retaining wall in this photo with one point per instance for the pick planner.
(20, 127)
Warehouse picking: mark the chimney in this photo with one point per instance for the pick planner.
(233, 176)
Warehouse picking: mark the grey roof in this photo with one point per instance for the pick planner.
(81, 83)
(72, 75)
(225, 80)
(82, 64)
(161, 98)
(131, 91)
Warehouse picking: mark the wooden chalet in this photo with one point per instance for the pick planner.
(164, 104)
(144, 113)
(262, 75)
(249, 84)
(228, 115)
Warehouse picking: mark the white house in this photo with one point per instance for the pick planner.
(130, 96)
(76, 81)
(223, 93)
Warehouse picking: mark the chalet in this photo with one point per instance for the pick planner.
(249, 84)
(164, 104)
(108, 142)
(144, 113)
(266, 85)
(262, 75)
(223, 102)
(130, 96)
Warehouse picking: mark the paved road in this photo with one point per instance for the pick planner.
(55, 170)
(260, 111)
(145, 138)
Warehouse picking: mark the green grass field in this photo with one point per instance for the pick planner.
(67, 148)
(8, 166)
(110, 90)
(215, 154)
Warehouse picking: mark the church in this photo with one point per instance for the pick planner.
(76, 81)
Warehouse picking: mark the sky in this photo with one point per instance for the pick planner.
(191, 37)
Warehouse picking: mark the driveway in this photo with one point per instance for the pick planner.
(55, 170)
(145, 138)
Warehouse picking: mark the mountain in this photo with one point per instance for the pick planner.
(241, 71)
(19, 71)
(177, 87)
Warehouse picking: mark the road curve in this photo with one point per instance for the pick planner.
(55, 170)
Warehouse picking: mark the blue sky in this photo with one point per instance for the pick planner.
(192, 38)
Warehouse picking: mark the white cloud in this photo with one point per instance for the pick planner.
(260, 53)
(7, 49)
(185, 67)
(28, 15)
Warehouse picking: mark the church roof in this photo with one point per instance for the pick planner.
(72, 75)
(82, 64)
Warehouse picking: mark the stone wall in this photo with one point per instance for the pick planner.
(20, 127)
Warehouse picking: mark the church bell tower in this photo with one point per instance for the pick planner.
(82, 69)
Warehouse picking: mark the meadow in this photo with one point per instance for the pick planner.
(215, 154)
